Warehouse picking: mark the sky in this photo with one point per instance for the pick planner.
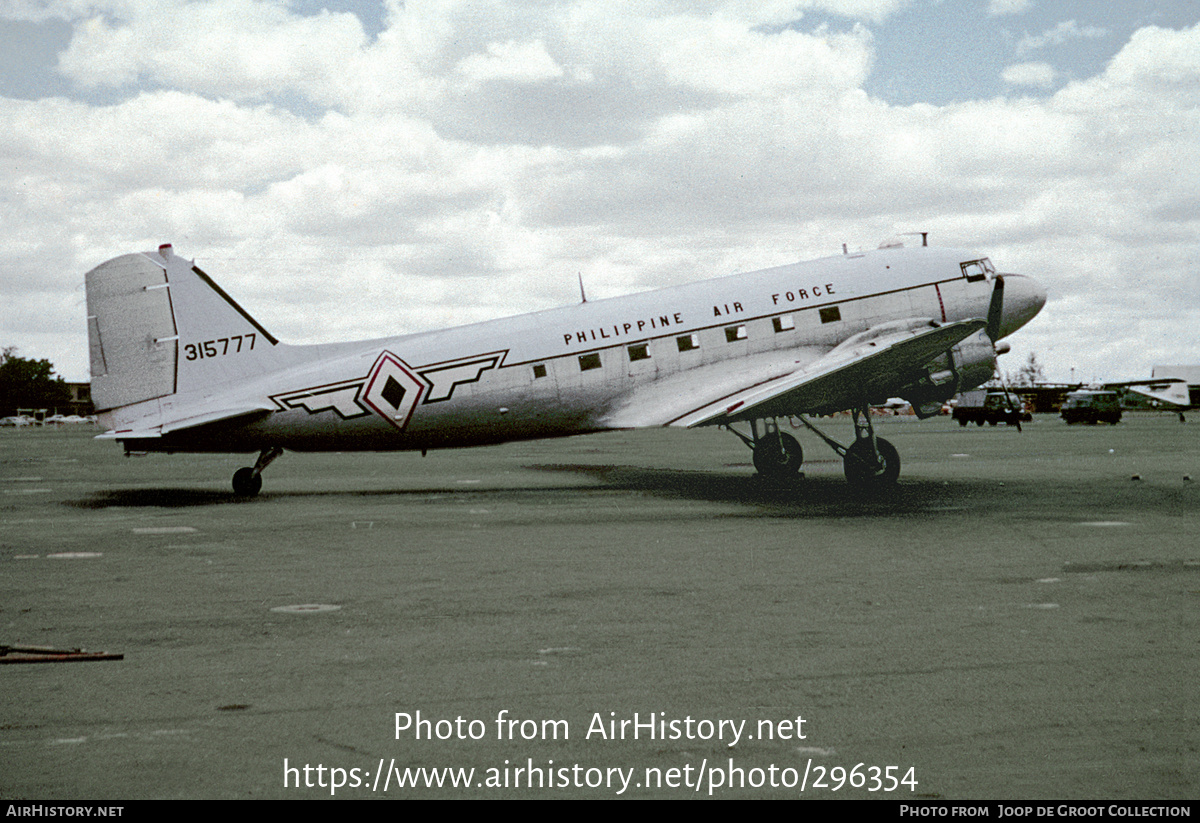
(348, 170)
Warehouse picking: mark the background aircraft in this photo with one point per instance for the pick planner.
(178, 366)
(1167, 393)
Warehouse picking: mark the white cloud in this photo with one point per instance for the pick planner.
(475, 156)
(38, 11)
(1156, 56)
(873, 10)
(731, 58)
(518, 62)
(999, 8)
(240, 49)
(1064, 31)
(1038, 75)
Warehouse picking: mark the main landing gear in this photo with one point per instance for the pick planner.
(247, 481)
(870, 463)
(777, 455)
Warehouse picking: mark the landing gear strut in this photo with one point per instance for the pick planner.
(247, 481)
(870, 463)
(777, 455)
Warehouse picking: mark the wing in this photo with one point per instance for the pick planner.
(1164, 390)
(875, 363)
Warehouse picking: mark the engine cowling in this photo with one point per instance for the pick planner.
(969, 364)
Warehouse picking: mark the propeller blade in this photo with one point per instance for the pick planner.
(1008, 398)
(994, 319)
(996, 310)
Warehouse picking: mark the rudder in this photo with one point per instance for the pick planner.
(132, 340)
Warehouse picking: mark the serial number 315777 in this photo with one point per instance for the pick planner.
(219, 347)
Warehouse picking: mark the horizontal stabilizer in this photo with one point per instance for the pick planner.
(242, 415)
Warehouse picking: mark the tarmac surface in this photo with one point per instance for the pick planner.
(1017, 620)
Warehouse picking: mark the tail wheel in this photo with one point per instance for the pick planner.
(778, 456)
(246, 483)
(864, 471)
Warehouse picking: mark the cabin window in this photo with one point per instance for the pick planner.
(975, 270)
(539, 370)
(735, 333)
(831, 315)
(689, 342)
(783, 323)
(587, 362)
(639, 351)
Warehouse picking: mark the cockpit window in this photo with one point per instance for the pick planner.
(978, 270)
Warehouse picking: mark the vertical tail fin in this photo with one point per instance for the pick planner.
(158, 326)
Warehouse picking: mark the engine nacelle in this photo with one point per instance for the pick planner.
(969, 364)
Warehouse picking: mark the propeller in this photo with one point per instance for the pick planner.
(994, 319)
(996, 310)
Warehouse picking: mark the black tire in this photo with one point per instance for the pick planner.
(861, 470)
(778, 456)
(246, 483)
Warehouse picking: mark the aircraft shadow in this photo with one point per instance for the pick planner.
(163, 498)
(829, 496)
(801, 497)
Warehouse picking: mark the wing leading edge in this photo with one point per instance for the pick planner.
(875, 363)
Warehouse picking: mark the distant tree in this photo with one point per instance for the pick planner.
(29, 384)
(1029, 374)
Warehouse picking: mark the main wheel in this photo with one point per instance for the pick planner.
(862, 469)
(246, 483)
(778, 456)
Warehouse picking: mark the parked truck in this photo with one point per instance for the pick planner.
(1092, 407)
(991, 407)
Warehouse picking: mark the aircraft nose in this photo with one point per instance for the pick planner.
(1023, 299)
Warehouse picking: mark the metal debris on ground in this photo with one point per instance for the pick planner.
(45, 654)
